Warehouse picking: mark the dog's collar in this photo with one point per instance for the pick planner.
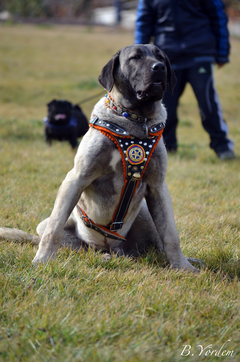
(121, 111)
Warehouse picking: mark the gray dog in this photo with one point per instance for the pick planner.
(116, 197)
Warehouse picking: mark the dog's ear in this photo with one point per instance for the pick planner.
(51, 103)
(76, 107)
(171, 77)
(106, 78)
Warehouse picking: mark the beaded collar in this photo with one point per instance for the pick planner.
(121, 111)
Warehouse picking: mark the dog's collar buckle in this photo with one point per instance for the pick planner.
(94, 120)
(117, 225)
(145, 129)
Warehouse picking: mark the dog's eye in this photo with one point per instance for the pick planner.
(137, 56)
(159, 57)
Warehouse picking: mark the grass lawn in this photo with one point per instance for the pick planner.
(79, 308)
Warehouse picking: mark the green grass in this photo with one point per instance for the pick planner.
(80, 308)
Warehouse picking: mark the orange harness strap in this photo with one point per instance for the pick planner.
(99, 228)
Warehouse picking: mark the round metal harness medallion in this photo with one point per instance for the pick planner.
(135, 154)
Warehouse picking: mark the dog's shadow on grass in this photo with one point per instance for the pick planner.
(150, 257)
(220, 264)
(111, 260)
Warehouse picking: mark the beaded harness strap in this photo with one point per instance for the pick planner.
(135, 154)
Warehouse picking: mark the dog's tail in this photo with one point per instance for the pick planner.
(18, 235)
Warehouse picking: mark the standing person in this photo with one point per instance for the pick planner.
(194, 35)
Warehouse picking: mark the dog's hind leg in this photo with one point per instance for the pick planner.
(41, 227)
(70, 224)
(69, 239)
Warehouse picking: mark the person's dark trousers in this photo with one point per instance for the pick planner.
(201, 79)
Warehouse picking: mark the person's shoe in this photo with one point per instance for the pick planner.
(226, 155)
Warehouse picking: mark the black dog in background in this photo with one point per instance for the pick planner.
(64, 122)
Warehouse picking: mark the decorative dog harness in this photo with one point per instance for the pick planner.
(135, 153)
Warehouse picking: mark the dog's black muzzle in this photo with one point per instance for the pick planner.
(158, 67)
(158, 83)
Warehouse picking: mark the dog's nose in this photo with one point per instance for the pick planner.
(156, 67)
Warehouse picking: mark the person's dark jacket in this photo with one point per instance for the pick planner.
(185, 29)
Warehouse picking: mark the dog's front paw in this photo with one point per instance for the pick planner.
(185, 265)
(43, 255)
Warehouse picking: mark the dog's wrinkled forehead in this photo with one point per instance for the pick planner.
(146, 51)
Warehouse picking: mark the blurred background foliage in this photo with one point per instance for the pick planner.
(72, 8)
(59, 8)
(76, 8)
